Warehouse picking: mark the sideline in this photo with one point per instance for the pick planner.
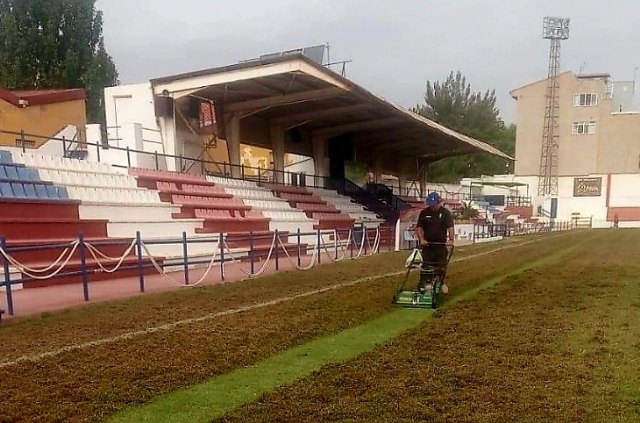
(34, 358)
(216, 397)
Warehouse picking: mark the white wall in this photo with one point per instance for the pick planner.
(131, 122)
(625, 191)
(595, 207)
(132, 137)
(126, 104)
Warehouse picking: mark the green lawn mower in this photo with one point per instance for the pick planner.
(428, 292)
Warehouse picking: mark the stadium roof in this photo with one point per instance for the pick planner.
(295, 91)
(39, 97)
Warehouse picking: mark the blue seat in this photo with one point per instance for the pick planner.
(30, 190)
(5, 157)
(41, 191)
(5, 190)
(62, 193)
(18, 190)
(3, 174)
(27, 174)
(12, 173)
(52, 192)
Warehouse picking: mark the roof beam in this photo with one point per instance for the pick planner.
(320, 114)
(267, 86)
(285, 99)
(387, 136)
(357, 126)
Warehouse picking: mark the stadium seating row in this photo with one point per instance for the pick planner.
(114, 196)
(15, 173)
(32, 191)
(40, 162)
(84, 179)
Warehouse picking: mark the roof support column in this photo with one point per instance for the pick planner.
(233, 145)
(423, 170)
(168, 131)
(377, 169)
(319, 145)
(277, 148)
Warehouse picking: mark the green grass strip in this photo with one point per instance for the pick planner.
(218, 396)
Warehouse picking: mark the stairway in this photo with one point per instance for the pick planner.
(383, 203)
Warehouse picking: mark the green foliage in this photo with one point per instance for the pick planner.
(55, 44)
(454, 104)
(468, 212)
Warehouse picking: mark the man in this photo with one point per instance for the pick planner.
(435, 232)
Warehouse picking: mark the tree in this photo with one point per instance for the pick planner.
(454, 104)
(55, 44)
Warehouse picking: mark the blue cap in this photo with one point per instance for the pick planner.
(433, 199)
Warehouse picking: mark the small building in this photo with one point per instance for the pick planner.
(45, 113)
(599, 148)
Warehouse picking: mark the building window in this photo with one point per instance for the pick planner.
(585, 100)
(583, 128)
(27, 144)
(207, 115)
(608, 91)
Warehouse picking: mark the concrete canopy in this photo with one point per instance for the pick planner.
(294, 92)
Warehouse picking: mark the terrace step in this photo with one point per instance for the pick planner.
(14, 228)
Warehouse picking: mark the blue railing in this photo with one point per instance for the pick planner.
(350, 243)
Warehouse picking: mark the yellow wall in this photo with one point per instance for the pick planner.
(45, 120)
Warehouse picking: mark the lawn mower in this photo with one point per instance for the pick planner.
(431, 280)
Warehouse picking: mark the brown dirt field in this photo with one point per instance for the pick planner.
(91, 384)
(558, 343)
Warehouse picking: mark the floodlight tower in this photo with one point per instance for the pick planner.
(555, 30)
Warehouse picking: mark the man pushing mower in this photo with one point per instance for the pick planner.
(436, 236)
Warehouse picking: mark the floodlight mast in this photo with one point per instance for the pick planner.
(555, 30)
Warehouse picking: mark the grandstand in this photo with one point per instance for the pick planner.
(77, 212)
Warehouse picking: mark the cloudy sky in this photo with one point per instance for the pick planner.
(395, 45)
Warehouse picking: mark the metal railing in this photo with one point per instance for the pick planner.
(333, 245)
(482, 232)
(202, 166)
(506, 230)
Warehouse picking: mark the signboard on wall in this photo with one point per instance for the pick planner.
(587, 187)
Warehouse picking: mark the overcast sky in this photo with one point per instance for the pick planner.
(395, 45)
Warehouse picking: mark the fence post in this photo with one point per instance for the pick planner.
(83, 267)
(98, 151)
(365, 237)
(352, 239)
(221, 244)
(185, 256)
(319, 247)
(251, 251)
(140, 262)
(155, 155)
(277, 239)
(64, 146)
(7, 276)
(298, 246)
(128, 157)
(242, 171)
(22, 141)
(335, 243)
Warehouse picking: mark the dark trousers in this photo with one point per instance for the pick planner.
(434, 255)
